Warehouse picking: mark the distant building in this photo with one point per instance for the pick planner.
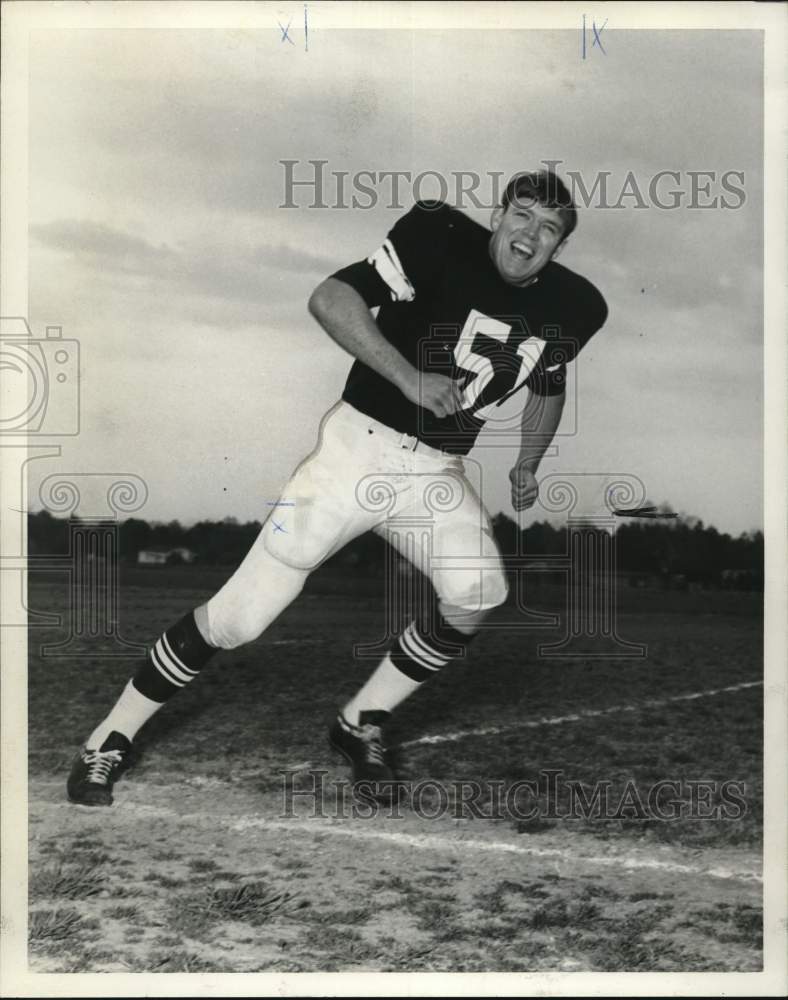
(163, 557)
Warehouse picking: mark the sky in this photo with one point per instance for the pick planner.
(158, 241)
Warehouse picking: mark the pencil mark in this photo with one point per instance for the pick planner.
(597, 39)
(285, 36)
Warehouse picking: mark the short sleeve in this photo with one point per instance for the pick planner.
(590, 314)
(406, 262)
(366, 281)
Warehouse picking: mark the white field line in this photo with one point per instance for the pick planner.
(591, 713)
(434, 842)
(462, 844)
(429, 842)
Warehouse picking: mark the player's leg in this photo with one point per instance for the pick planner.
(255, 595)
(429, 643)
(464, 567)
(292, 542)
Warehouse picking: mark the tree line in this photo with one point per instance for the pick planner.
(679, 552)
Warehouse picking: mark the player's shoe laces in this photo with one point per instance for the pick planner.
(364, 748)
(94, 772)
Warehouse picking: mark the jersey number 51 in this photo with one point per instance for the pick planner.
(519, 363)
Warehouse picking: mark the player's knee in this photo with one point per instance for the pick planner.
(252, 598)
(494, 591)
(475, 592)
(232, 631)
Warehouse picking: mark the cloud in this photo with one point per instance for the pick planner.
(221, 269)
(95, 243)
(155, 176)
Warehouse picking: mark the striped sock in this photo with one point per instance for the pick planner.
(417, 654)
(174, 661)
(420, 652)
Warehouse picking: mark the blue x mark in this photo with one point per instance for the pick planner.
(285, 37)
(597, 32)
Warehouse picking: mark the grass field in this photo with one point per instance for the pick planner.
(202, 864)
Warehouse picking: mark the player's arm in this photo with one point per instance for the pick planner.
(548, 393)
(400, 270)
(345, 316)
(536, 437)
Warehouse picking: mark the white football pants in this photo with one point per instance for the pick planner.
(363, 476)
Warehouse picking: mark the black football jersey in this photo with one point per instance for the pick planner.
(444, 305)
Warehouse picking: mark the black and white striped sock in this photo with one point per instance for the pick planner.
(175, 660)
(417, 654)
(421, 652)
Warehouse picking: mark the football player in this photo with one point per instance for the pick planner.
(467, 316)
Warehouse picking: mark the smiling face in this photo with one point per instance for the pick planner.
(526, 236)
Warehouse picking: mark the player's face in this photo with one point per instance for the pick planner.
(526, 236)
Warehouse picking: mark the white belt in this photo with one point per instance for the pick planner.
(398, 438)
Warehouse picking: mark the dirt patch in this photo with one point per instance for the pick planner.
(178, 881)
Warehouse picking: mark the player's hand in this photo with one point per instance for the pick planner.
(439, 394)
(525, 488)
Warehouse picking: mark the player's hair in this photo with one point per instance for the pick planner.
(546, 188)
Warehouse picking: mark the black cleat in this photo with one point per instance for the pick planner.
(94, 772)
(363, 747)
